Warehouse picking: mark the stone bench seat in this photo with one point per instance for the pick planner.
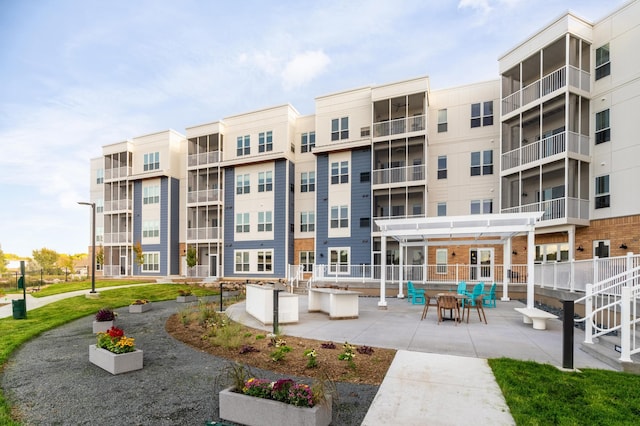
(535, 316)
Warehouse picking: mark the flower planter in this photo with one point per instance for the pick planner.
(252, 411)
(185, 299)
(138, 309)
(102, 326)
(115, 363)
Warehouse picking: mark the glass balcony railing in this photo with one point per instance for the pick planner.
(211, 233)
(204, 158)
(558, 208)
(417, 123)
(559, 143)
(118, 205)
(398, 174)
(206, 196)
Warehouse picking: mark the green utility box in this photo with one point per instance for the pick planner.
(19, 309)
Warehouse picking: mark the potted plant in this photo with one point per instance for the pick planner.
(186, 295)
(104, 320)
(115, 352)
(139, 306)
(256, 402)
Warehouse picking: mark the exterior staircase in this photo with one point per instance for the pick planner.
(607, 350)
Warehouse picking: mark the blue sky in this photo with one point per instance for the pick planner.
(77, 75)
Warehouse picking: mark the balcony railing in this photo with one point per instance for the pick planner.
(547, 147)
(555, 209)
(209, 195)
(549, 83)
(398, 174)
(117, 237)
(205, 158)
(416, 123)
(115, 205)
(212, 233)
(117, 173)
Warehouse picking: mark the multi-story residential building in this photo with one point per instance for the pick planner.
(256, 192)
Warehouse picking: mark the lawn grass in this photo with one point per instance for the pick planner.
(65, 287)
(540, 394)
(13, 333)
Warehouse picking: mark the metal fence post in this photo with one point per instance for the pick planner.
(567, 334)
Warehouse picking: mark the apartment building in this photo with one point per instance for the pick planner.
(253, 193)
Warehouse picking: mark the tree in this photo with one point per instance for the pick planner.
(192, 257)
(67, 261)
(46, 259)
(100, 255)
(3, 262)
(139, 257)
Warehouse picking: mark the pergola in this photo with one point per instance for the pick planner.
(465, 230)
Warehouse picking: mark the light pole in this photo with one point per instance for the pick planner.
(93, 243)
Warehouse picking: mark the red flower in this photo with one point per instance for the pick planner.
(115, 332)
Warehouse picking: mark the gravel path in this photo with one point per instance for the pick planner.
(51, 382)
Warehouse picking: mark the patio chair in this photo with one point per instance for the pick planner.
(478, 289)
(477, 303)
(489, 298)
(415, 295)
(448, 303)
(462, 288)
(430, 301)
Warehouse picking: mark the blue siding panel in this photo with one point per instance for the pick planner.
(322, 207)
(361, 249)
(229, 194)
(174, 232)
(137, 220)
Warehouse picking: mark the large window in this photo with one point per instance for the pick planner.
(242, 261)
(339, 172)
(482, 163)
(307, 222)
(99, 206)
(151, 161)
(265, 261)
(555, 252)
(339, 217)
(242, 222)
(339, 260)
(340, 128)
(442, 120)
(442, 209)
(265, 141)
(442, 167)
(151, 194)
(482, 114)
(100, 176)
(307, 259)
(243, 145)
(308, 182)
(243, 184)
(602, 192)
(603, 129)
(150, 228)
(441, 261)
(265, 222)
(481, 206)
(150, 262)
(603, 65)
(307, 141)
(265, 181)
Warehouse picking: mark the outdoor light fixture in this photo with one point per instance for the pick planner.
(453, 254)
(93, 243)
(514, 252)
(580, 248)
(623, 246)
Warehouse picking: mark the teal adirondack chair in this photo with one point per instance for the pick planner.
(462, 288)
(478, 289)
(415, 295)
(489, 298)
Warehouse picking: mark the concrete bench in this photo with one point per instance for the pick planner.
(535, 316)
(339, 304)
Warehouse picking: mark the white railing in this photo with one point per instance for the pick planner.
(114, 205)
(398, 174)
(115, 271)
(199, 271)
(117, 173)
(210, 233)
(547, 147)
(205, 158)
(294, 276)
(209, 195)
(555, 209)
(416, 123)
(117, 237)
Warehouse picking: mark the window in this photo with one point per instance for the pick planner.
(308, 141)
(99, 206)
(481, 206)
(442, 120)
(365, 177)
(484, 167)
(243, 145)
(601, 248)
(339, 217)
(484, 119)
(365, 222)
(265, 141)
(365, 132)
(242, 261)
(242, 222)
(308, 182)
(602, 192)
(150, 229)
(265, 181)
(151, 161)
(603, 65)
(552, 252)
(265, 222)
(340, 128)
(441, 261)
(307, 259)
(442, 209)
(307, 222)
(151, 194)
(100, 176)
(603, 130)
(243, 184)
(150, 262)
(265, 261)
(339, 260)
(339, 172)
(442, 167)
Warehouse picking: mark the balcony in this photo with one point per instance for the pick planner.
(549, 83)
(417, 123)
(556, 209)
(117, 173)
(399, 175)
(199, 234)
(204, 158)
(556, 144)
(117, 205)
(117, 238)
(206, 196)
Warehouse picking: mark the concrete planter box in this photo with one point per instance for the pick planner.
(138, 309)
(115, 363)
(252, 411)
(102, 326)
(186, 299)
(259, 304)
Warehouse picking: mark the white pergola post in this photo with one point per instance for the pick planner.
(401, 271)
(506, 261)
(382, 303)
(531, 248)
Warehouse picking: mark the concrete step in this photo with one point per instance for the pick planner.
(606, 349)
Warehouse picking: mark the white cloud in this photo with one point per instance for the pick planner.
(479, 5)
(303, 68)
